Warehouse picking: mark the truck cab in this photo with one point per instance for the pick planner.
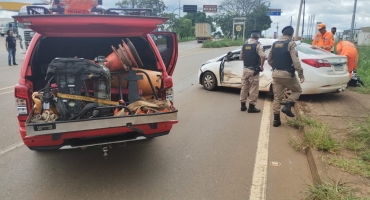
(95, 79)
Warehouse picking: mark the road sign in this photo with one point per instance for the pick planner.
(210, 8)
(238, 28)
(274, 13)
(190, 8)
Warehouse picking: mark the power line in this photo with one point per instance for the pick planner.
(347, 9)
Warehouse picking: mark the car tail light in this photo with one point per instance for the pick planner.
(21, 97)
(317, 62)
(168, 90)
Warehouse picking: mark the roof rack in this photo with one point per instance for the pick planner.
(35, 10)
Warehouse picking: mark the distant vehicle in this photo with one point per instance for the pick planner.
(324, 72)
(202, 32)
(9, 26)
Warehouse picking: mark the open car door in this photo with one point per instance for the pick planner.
(167, 45)
(231, 69)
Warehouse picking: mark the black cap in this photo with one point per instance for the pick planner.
(256, 31)
(287, 28)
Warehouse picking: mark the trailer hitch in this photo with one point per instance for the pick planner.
(129, 125)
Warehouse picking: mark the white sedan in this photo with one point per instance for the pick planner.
(324, 72)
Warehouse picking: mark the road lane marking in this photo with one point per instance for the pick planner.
(6, 92)
(12, 147)
(4, 88)
(259, 181)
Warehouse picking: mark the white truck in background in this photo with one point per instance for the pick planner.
(202, 32)
(25, 34)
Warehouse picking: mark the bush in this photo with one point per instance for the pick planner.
(223, 43)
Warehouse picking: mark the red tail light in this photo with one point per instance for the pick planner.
(21, 94)
(317, 62)
(168, 83)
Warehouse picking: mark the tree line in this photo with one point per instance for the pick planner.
(253, 10)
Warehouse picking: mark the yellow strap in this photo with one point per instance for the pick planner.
(90, 99)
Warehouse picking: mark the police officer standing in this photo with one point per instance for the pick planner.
(253, 57)
(284, 61)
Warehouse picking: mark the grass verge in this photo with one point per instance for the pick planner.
(363, 68)
(331, 190)
(353, 166)
(315, 135)
(222, 43)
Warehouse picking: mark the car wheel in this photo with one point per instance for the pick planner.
(209, 81)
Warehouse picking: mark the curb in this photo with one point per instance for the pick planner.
(309, 151)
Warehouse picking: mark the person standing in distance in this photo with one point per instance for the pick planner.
(284, 60)
(333, 31)
(10, 45)
(253, 58)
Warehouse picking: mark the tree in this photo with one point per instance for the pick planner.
(157, 6)
(257, 19)
(230, 9)
(200, 17)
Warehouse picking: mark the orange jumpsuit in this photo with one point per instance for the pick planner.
(326, 40)
(348, 49)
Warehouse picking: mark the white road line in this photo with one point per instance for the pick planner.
(4, 88)
(259, 182)
(6, 92)
(12, 147)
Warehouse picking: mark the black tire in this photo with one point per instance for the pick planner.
(209, 81)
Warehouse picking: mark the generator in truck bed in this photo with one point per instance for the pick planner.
(78, 89)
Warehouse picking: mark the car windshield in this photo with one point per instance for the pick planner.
(307, 49)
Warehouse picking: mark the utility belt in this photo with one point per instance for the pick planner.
(256, 69)
(291, 71)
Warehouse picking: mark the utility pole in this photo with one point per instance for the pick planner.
(179, 9)
(298, 21)
(353, 19)
(277, 29)
(304, 10)
(255, 20)
(308, 25)
(291, 20)
(133, 3)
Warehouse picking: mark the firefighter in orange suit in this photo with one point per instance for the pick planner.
(323, 39)
(348, 49)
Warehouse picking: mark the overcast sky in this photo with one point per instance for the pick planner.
(336, 13)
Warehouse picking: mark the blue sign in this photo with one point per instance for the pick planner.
(275, 13)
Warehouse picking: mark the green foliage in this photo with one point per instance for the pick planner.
(330, 190)
(200, 17)
(363, 68)
(157, 6)
(254, 11)
(222, 43)
(353, 166)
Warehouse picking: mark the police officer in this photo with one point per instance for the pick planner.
(253, 58)
(284, 61)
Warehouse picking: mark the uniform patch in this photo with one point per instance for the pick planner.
(248, 47)
(278, 45)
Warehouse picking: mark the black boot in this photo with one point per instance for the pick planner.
(287, 109)
(253, 109)
(277, 121)
(244, 107)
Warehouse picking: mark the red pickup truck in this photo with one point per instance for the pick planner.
(67, 52)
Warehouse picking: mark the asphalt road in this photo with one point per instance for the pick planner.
(214, 152)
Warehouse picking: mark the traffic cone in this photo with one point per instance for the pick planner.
(118, 60)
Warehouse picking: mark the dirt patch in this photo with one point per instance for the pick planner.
(340, 112)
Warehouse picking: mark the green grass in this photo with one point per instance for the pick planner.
(359, 138)
(353, 166)
(363, 68)
(315, 135)
(331, 190)
(223, 43)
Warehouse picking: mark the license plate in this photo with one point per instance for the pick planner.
(169, 97)
(338, 68)
(44, 127)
